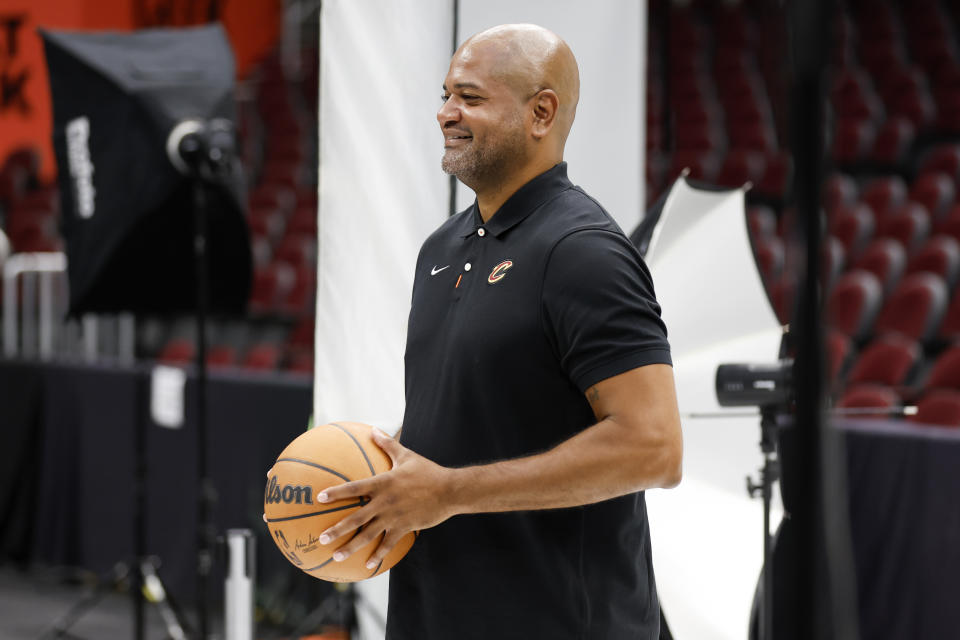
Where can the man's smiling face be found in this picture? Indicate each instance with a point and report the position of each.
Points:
(482, 120)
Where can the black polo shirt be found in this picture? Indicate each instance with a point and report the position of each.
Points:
(511, 321)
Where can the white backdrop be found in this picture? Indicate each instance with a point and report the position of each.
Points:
(381, 193)
(608, 37)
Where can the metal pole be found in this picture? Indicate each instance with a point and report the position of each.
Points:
(10, 309)
(452, 180)
(139, 504)
(90, 338)
(126, 337)
(46, 315)
(28, 313)
(238, 586)
(826, 595)
(206, 497)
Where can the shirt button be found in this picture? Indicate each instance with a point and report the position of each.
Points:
(481, 232)
(467, 267)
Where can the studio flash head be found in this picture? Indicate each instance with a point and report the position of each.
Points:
(755, 385)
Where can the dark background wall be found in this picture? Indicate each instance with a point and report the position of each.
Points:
(67, 472)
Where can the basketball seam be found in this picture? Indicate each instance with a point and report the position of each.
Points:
(318, 466)
(316, 513)
(321, 565)
(330, 559)
(373, 471)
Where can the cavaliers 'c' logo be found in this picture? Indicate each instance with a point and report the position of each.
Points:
(499, 271)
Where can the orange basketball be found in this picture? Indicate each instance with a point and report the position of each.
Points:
(324, 456)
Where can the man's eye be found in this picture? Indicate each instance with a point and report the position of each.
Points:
(444, 97)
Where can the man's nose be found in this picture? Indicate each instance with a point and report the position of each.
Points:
(448, 113)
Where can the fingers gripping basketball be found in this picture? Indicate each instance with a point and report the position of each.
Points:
(325, 456)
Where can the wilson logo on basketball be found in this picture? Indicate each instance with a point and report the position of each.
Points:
(275, 494)
(499, 271)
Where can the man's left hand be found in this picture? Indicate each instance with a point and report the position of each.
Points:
(412, 496)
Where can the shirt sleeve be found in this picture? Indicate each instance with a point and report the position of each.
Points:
(598, 308)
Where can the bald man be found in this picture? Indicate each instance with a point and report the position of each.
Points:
(539, 387)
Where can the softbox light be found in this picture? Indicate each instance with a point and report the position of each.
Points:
(127, 211)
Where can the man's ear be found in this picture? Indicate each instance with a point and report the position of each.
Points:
(545, 107)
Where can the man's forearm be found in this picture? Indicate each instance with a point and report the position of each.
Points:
(607, 460)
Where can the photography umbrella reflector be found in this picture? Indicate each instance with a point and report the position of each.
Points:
(128, 211)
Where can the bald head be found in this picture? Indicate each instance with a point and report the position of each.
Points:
(529, 59)
(509, 99)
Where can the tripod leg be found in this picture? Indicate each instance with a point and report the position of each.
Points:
(61, 626)
(157, 594)
(315, 617)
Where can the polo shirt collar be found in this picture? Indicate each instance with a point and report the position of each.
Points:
(524, 202)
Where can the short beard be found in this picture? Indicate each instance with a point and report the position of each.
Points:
(491, 163)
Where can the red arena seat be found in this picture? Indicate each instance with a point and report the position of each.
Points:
(939, 407)
(177, 351)
(834, 260)
(915, 104)
(950, 328)
(940, 255)
(888, 360)
(839, 190)
(741, 167)
(699, 137)
(854, 302)
(761, 221)
(909, 224)
(302, 294)
(854, 227)
(783, 297)
(943, 158)
(852, 139)
(945, 372)
(301, 362)
(853, 97)
(936, 191)
(949, 223)
(770, 257)
(702, 165)
(757, 135)
(302, 334)
(776, 179)
(297, 250)
(886, 259)
(948, 111)
(839, 352)
(303, 220)
(915, 308)
(262, 357)
(893, 140)
(869, 397)
(880, 54)
(261, 249)
(221, 356)
(885, 195)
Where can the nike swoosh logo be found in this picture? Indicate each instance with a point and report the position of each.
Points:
(435, 271)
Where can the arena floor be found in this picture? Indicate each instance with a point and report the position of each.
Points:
(32, 603)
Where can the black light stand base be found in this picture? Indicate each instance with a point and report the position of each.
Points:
(769, 474)
(106, 584)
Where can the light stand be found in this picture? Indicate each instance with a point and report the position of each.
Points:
(205, 152)
(149, 236)
(769, 474)
(769, 387)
